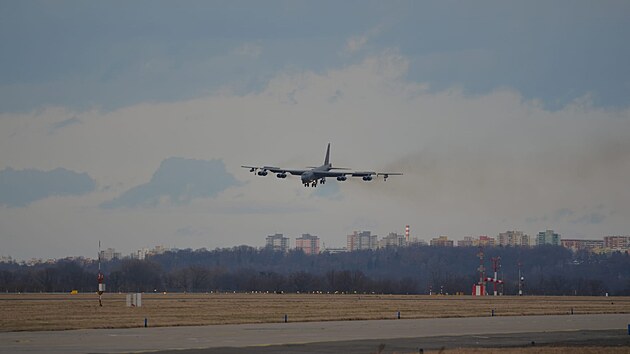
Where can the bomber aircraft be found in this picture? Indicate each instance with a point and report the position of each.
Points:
(312, 175)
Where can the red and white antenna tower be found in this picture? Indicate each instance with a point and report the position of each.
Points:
(407, 233)
(479, 289)
(496, 264)
(100, 278)
(520, 279)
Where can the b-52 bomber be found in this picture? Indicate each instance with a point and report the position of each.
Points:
(312, 175)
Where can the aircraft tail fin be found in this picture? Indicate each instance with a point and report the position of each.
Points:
(327, 160)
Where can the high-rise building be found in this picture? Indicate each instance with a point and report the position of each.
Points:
(579, 245)
(361, 241)
(514, 239)
(468, 241)
(109, 254)
(159, 249)
(441, 241)
(308, 243)
(278, 242)
(415, 241)
(617, 243)
(486, 241)
(393, 240)
(140, 254)
(548, 238)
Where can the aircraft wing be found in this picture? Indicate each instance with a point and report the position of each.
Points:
(251, 168)
(295, 172)
(366, 175)
(376, 174)
(330, 174)
(263, 170)
(387, 174)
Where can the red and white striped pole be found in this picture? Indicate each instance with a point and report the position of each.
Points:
(100, 278)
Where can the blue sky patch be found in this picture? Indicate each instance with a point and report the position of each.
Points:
(19, 188)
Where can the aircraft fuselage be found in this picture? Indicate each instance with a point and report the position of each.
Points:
(315, 175)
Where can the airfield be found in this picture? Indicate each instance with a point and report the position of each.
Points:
(236, 323)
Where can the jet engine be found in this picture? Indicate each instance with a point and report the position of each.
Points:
(262, 173)
(341, 178)
(281, 175)
(367, 178)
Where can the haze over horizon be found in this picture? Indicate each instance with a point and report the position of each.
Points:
(128, 122)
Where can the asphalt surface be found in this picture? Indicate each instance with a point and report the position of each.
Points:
(321, 337)
(609, 338)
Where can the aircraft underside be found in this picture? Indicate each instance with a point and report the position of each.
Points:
(313, 182)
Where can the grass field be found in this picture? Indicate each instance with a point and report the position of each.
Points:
(533, 350)
(34, 312)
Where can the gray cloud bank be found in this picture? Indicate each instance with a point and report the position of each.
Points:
(139, 51)
(19, 188)
(178, 181)
(472, 165)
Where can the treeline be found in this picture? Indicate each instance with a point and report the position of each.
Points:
(547, 270)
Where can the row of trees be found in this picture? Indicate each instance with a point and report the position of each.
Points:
(547, 270)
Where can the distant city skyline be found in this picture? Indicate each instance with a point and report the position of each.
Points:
(366, 240)
(128, 122)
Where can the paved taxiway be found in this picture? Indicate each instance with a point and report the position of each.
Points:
(578, 339)
(177, 338)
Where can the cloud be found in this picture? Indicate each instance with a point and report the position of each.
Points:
(178, 181)
(19, 188)
(353, 44)
(564, 215)
(338, 95)
(162, 52)
(193, 232)
(267, 208)
(250, 50)
(64, 123)
(356, 43)
(560, 214)
(592, 218)
(472, 164)
(330, 190)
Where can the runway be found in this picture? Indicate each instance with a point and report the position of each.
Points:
(520, 328)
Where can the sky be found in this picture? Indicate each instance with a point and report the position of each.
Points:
(127, 122)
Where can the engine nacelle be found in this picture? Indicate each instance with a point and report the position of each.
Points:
(342, 178)
(262, 173)
(367, 178)
(281, 175)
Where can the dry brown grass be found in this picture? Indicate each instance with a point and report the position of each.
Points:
(534, 350)
(29, 312)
